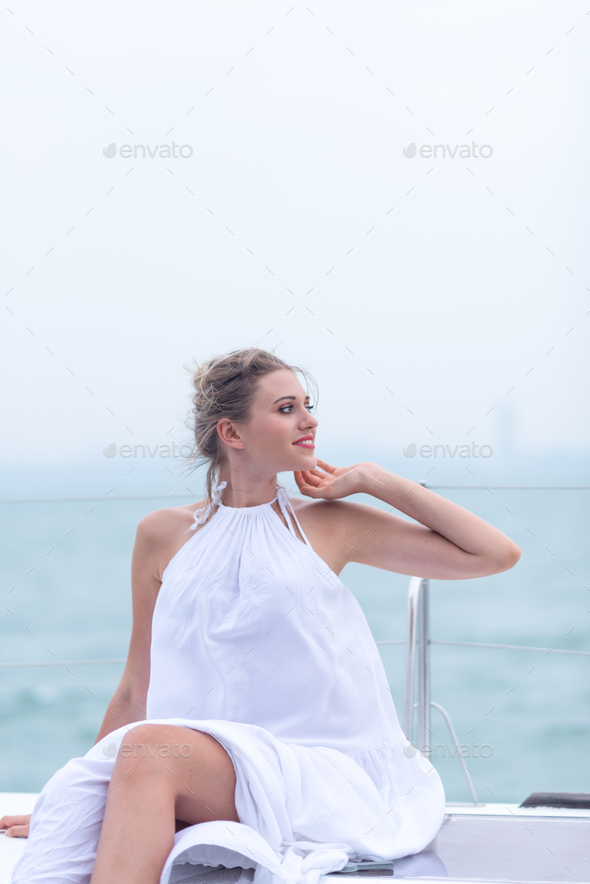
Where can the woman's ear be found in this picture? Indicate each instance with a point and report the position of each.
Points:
(229, 434)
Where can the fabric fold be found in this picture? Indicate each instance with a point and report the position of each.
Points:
(304, 811)
(257, 639)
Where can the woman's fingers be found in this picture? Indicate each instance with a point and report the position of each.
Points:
(320, 472)
(17, 832)
(328, 468)
(304, 482)
(312, 491)
(312, 485)
(314, 482)
(14, 820)
(16, 826)
(311, 478)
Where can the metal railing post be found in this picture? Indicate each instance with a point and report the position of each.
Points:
(424, 667)
(417, 628)
(412, 631)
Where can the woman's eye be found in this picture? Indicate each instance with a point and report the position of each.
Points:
(285, 409)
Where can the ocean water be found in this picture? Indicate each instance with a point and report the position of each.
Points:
(523, 718)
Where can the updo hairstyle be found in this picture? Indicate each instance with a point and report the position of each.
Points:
(224, 388)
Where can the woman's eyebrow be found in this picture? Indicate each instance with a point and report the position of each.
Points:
(294, 398)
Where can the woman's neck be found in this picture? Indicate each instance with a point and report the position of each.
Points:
(246, 490)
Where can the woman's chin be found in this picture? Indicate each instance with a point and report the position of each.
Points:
(303, 460)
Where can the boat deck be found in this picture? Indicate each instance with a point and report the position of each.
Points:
(487, 843)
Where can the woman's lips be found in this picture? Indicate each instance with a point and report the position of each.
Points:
(306, 442)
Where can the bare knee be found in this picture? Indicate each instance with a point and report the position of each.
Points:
(144, 750)
(143, 735)
(167, 745)
(191, 764)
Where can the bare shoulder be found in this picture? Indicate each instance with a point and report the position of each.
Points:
(333, 522)
(164, 531)
(332, 513)
(333, 526)
(169, 520)
(318, 510)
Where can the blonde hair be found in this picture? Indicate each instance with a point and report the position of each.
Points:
(225, 388)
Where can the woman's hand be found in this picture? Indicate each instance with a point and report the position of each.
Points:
(16, 826)
(331, 483)
(448, 543)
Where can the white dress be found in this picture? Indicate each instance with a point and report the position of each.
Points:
(258, 643)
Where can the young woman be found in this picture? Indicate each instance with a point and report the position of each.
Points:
(253, 726)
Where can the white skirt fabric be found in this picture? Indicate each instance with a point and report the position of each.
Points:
(304, 811)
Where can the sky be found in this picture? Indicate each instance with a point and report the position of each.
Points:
(436, 299)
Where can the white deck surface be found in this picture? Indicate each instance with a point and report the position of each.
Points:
(20, 802)
(11, 848)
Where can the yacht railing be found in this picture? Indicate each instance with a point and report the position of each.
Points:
(417, 639)
(400, 641)
(106, 497)
(418, 644)
(62, 663)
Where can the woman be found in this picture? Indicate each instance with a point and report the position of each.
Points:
(253, 725)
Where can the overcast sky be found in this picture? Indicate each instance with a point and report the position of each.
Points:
(428, 295)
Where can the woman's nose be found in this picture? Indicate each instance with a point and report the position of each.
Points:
(308, 421)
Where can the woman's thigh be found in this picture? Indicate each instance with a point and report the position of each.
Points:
(197, 767)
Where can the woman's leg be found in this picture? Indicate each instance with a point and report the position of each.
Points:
(161, 774)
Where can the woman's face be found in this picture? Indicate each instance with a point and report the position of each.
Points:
(281, 431)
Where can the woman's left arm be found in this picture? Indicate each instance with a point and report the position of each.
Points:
(448, 543)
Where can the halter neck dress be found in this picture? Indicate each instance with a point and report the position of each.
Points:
(257, 642)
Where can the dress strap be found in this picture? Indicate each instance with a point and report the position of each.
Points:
(203, 514)
(286, 507)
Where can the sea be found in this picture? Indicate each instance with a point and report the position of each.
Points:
(522, 717)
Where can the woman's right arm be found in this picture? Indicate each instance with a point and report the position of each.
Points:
(155, 534)
(129, 700)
